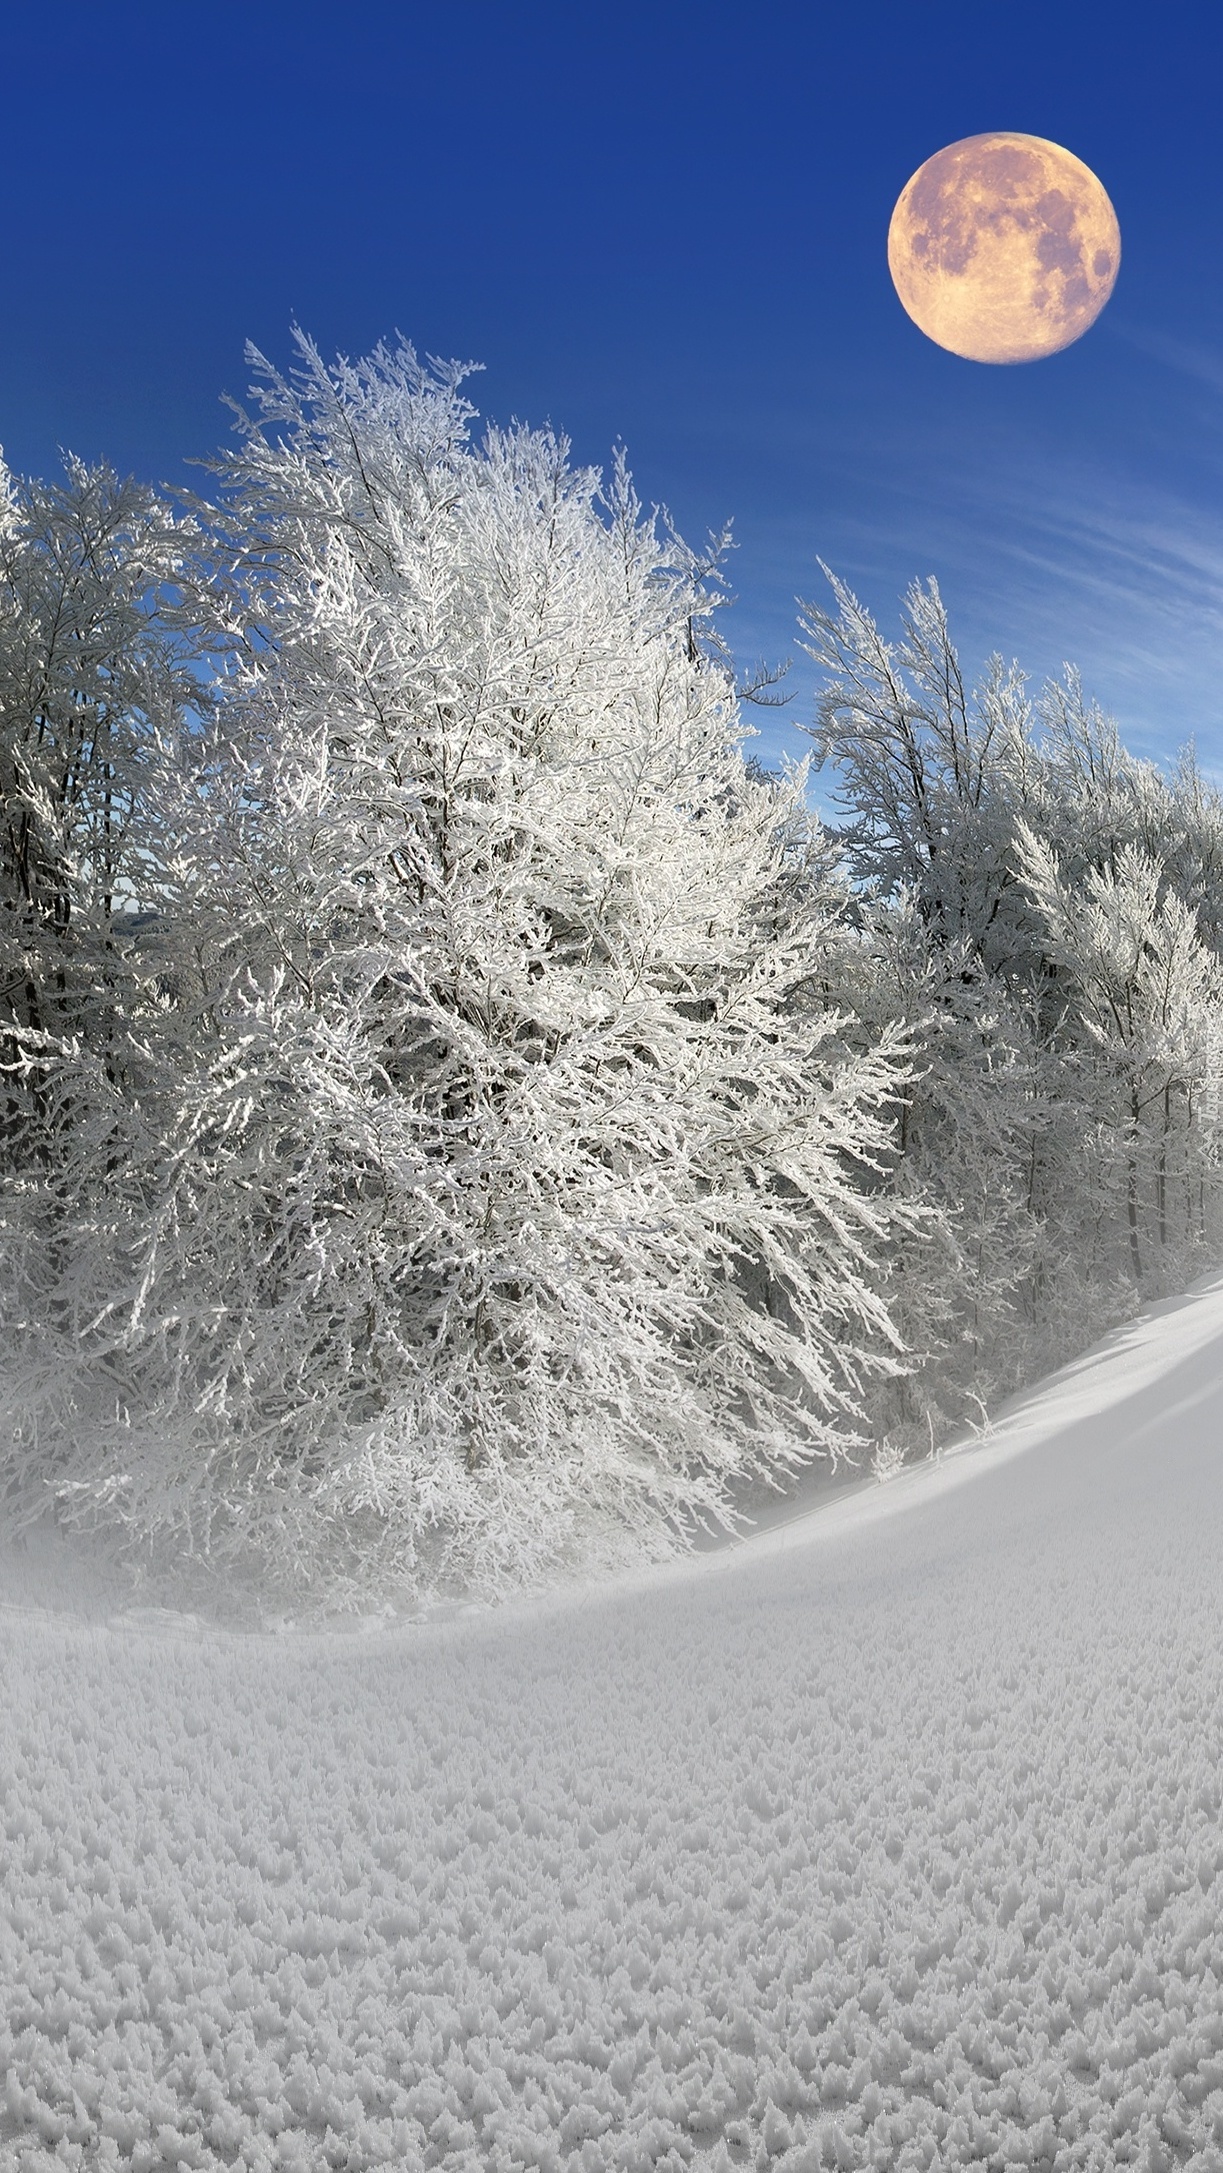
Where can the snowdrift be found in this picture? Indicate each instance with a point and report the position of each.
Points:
(888, 1838)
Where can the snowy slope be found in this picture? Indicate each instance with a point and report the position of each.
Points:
(889, 1838)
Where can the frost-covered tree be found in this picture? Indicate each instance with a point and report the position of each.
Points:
(973, 1110)
(97, 680)
(497, 1193)
(929, 769)
(1146, 993)
(92, 677)
(463, 1118)
(1041, 909)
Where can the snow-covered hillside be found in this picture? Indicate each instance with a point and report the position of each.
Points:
(889, 1838)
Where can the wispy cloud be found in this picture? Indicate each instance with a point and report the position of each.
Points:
(1059, 564)
(1057, 533)
(1203, 365)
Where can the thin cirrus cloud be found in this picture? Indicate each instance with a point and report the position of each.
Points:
(1128, 584)
(1184, 356)
(1058, 563)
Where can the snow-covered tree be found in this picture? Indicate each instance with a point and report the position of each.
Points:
(97, 680)
(928, 768)
(1041, 910)
(461, 1117)
(91, 677)
(496, 1194)
(1147, 995)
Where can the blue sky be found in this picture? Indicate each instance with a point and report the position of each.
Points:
(664, 223)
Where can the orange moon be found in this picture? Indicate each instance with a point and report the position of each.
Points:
(1004, 248)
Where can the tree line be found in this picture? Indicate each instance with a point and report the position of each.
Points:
(462, 1119)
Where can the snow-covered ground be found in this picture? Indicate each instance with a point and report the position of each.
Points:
(891, 1837)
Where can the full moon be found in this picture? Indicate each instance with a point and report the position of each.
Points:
(1004, 248)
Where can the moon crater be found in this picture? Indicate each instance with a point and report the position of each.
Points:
(1004, 248)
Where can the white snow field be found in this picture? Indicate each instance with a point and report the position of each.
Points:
(890, 1837)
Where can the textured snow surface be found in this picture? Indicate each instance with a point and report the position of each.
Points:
(891, 1838)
